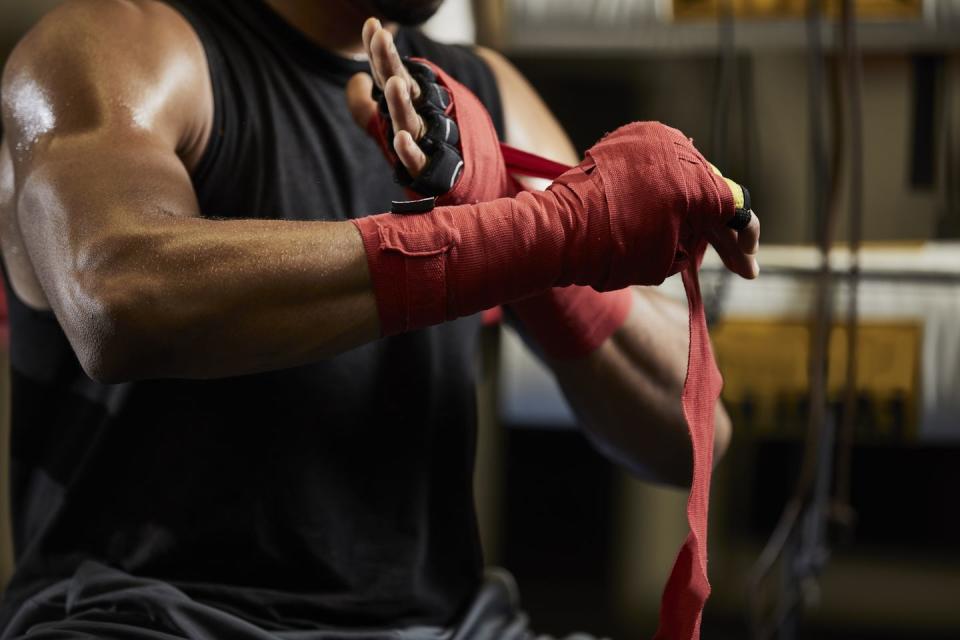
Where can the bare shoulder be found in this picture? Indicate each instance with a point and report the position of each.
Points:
(529, 122)
(514, 87)
(107, 64)
(497, 61)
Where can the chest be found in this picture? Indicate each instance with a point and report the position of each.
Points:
(286, 147)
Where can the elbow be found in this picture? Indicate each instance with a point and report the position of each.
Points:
(106, 330)
(722, 433)
(679, 472)
(673, 466)
(106, 364)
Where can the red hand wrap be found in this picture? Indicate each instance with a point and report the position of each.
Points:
(628, 214)
(633, 212)
(566, 322)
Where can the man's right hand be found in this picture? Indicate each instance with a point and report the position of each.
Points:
(633, 212)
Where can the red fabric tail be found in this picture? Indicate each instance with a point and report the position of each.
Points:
(687, 588)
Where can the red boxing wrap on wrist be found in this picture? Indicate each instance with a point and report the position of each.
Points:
(633, 212)
(630, 213)
(566, 322)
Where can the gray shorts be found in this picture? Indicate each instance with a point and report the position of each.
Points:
(104, 603)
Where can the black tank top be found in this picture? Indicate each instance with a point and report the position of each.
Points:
(334, 494)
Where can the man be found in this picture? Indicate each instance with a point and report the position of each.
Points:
(209, 439)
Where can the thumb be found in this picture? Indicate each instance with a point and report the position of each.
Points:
(362, 106)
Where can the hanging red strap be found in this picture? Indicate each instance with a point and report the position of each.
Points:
(687, 587)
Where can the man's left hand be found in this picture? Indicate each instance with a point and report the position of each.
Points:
(401, 91)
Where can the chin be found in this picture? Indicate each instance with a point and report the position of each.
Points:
(406, 12)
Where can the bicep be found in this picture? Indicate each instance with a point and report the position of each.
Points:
(82, 191)
(97, 117)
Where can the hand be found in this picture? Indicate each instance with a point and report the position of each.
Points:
(602, 224)
(400, 90)
(738, 247)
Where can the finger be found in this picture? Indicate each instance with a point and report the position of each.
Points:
(410, 153)
(385, 58)
(748, 238)
(370, 27)
(726, 242)
(361, 105)
(402, 113)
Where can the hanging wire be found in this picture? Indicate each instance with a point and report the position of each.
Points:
(949, 222)
(843, 513)
(798, 543)
(727, 80)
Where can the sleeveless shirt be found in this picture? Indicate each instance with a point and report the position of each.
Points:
(338, 493)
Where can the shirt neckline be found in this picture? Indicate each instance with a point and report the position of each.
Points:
(297, 43)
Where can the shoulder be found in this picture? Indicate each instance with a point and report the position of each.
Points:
(514, 87)
(501, 67)
(100, 63)
(90, 36)
(528, 121)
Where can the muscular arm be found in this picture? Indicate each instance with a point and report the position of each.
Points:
(627, 392)
(106, 104)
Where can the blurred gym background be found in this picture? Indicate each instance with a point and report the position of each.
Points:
(833, 514)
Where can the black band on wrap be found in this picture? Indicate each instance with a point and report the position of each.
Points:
(742, 216)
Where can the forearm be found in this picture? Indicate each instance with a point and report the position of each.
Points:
(627, 392)
(204, 298)
(165, 295)
(145, 287)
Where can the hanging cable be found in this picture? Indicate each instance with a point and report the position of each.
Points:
(843, 513)
(798, 543)
(728, 79)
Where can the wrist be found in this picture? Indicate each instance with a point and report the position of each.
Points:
(427, 268)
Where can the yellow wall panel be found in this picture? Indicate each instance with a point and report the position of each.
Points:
(871, 9)
(764, 365)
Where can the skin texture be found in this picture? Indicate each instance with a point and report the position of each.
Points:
(107, 107)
